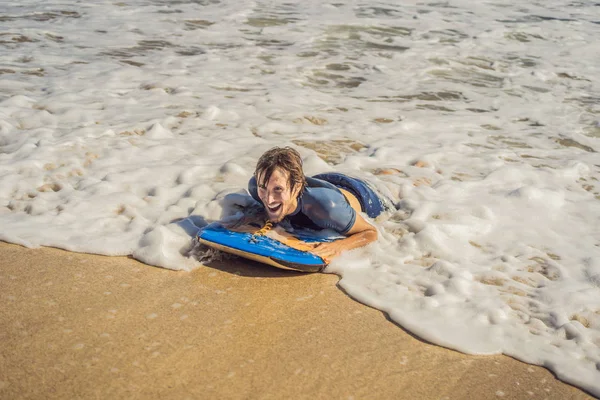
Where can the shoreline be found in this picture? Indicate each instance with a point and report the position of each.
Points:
(80, 325)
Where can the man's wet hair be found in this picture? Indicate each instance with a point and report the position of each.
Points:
(285, 158)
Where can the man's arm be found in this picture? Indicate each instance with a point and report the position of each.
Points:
(361, 234)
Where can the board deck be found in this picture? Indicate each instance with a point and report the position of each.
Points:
(281, 250)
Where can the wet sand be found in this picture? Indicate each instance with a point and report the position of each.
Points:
(85, 326)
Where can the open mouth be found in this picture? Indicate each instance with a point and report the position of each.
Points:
(274, 209)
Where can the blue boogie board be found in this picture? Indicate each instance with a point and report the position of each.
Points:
(265, 249)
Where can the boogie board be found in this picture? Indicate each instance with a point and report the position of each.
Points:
(278, 248)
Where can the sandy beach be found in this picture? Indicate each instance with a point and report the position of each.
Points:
(84, 326)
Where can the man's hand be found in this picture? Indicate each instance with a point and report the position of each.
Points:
(254, 214)
(327, 250)
(361, 234)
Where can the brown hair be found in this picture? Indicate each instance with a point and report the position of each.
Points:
(285, 158)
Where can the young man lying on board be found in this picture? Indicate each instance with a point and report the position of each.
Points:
(325, 201)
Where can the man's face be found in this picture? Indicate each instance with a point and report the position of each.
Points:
(276, 195)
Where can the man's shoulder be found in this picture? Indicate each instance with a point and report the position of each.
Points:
(324, 196)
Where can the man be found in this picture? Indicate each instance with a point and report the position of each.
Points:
(326, 201)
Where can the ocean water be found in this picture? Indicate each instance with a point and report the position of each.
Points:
(125, 124)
